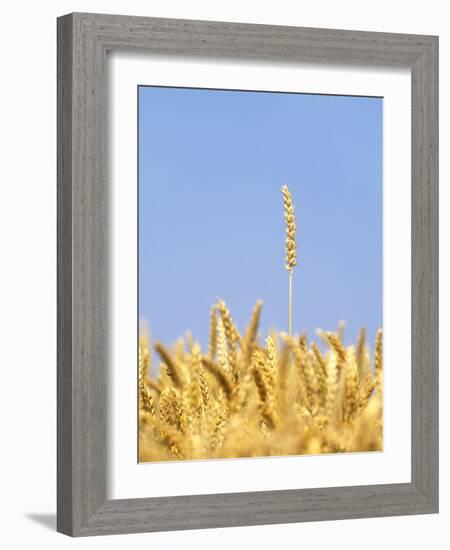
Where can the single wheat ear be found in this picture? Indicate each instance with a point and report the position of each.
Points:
(291, 243)
(291, 229)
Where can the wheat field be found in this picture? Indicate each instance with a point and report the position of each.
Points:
(242, 397)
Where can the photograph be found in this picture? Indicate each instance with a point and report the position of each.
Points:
(260, 273)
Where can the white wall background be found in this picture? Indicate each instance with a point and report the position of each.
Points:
(28, 269)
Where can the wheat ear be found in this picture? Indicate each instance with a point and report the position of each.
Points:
(221, 376)
(171, 366)
(213, 333)
(231, 334)
(291, 244)
(379, 361)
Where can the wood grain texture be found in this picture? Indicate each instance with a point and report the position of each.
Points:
(424, 275)
(64, 294)
(83, 317)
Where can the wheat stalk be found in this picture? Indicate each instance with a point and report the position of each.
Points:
(271, 353)
(171, 364)
(351, 383)
(213, 332)
(252, 331)
(291, 243)
(221, 376)
(231, 333)
(379, 361)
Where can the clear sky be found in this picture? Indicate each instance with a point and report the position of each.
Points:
(211, 165)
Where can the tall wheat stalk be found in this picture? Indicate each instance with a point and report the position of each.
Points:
(291, 243)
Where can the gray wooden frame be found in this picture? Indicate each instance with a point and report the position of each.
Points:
(83, 40)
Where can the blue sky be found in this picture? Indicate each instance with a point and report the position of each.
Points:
(211, 165)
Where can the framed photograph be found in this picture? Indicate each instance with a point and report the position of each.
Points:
(247, 274)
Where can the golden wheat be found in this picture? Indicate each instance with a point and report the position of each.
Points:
(242, 399)
(290, 398)
(291, 243)
(289, 217)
